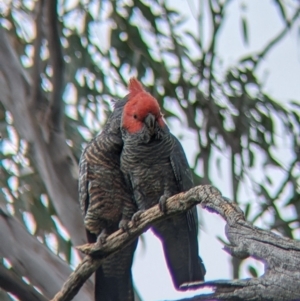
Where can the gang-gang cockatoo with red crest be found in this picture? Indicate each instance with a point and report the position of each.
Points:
(155, 168)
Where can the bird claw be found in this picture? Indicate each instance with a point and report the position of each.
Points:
(123, 224)
(136, 217)
(101, 239)
(162, 203)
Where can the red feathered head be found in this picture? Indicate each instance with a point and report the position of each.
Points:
(140, 104)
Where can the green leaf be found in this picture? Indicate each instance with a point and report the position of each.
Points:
(147, 13)
(247, 210)
(295, 102)
(252, 271)
(245, 31)
(269, 180)
(218, 163)
(251, 158)
(222, 241)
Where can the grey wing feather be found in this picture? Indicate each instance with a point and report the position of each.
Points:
(185, 182)
(184, 179)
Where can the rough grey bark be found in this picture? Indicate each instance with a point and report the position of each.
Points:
(281, 255)
(32, 259)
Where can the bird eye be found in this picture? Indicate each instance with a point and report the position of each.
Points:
(135, 116)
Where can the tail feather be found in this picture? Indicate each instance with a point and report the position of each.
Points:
(113, 280)
(180, 246)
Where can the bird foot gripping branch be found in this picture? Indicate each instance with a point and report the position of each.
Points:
(162, 202)
(137, 216)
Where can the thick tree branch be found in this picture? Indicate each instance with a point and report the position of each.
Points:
(280, 255)
(119, 239)
(32, 259)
